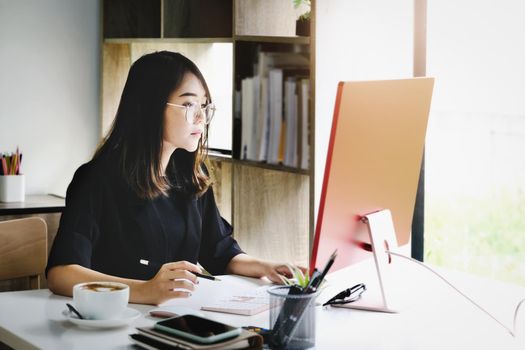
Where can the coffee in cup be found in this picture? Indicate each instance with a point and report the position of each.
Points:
(101, 300)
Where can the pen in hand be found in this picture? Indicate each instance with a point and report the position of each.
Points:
(157, 265)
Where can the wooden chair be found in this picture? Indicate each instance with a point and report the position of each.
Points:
(23, 249)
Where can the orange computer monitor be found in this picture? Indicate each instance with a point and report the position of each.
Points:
(373, 162)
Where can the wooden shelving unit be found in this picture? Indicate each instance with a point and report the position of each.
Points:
(268, 205)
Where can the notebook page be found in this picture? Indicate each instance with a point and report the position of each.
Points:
(246, 303)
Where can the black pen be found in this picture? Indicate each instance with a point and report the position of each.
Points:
(157, 266)
(313, 278)
(319, 279)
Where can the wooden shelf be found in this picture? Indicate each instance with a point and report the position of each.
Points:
(304, 40)
(167, 40)
(267, 166)
(214, 156)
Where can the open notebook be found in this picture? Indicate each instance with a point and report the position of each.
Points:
(246, 303)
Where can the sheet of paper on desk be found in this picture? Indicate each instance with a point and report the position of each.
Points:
(246, 303)
(208, 293)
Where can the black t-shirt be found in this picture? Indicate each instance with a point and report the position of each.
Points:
(108, 228)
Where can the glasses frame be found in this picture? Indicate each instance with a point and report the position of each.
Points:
(354, 293)
(201, 111)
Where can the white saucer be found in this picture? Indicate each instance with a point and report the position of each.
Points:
(127, 317)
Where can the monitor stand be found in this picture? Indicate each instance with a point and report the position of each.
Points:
(382, 236)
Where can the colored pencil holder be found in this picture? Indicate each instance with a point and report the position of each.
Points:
(12, 188)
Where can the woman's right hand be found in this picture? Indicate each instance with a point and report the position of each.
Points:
(174, 275)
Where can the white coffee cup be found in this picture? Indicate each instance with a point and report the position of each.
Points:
(101, 300)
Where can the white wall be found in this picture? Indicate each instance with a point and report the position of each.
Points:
(49, 87)
(356, 40)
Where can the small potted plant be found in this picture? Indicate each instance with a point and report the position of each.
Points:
(302, 25)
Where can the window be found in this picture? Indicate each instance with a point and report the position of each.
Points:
(475, 153)
(356, 40)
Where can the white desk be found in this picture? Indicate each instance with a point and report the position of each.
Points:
(432, 317)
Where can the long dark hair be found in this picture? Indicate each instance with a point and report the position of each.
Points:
(136, 135)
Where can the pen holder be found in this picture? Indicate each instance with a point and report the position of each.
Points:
(292, 319)
(12, 188)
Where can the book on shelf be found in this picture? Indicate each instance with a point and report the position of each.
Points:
(276, 114)
(275, 110)
(290, 116)
(282, 60)
(256, 86)
(263, 127)
(237, 125)
(246, 115)
(303, 117)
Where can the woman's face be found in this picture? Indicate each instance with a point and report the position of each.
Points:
(178, 133)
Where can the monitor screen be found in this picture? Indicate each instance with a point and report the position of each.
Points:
(373, 162)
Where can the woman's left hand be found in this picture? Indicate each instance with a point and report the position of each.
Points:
(246, 265)
(273, 270)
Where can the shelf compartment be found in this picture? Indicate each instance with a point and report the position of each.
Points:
(253, 64)
(247, 54)
(118, 58)
(131, 18)
(197, 18)
(265, 17)
(271, 213)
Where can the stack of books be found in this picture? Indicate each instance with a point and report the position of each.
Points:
(274, 110)
(151, 338)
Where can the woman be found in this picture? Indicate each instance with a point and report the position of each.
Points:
(146, 195)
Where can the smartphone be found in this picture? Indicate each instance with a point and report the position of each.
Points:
(197, 329)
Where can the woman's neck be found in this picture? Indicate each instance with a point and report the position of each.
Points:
(167, 151)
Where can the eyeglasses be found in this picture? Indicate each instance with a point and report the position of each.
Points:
(348, 295)
(194, 112)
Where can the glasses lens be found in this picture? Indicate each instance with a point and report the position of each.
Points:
(209, 111)
(194, 113)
